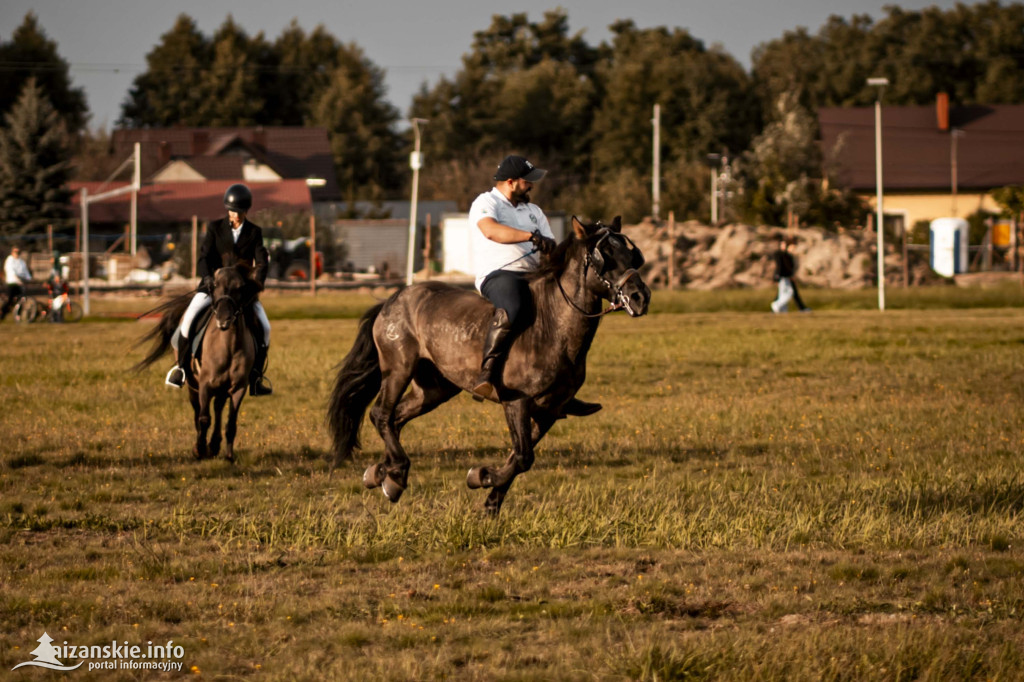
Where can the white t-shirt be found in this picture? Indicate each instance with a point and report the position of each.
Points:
(15, 271)
(488, 255)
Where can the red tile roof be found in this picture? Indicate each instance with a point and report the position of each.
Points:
(177, 202)
(295, 152)
(917, 155)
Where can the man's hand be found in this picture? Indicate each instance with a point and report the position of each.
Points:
(543, 244)
(206, 284)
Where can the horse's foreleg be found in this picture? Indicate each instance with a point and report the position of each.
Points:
(520, 461)
(237, 395)
(215, 437)
(201, 404)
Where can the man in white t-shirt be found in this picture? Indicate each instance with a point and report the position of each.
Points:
(16, 274)
(510, 236)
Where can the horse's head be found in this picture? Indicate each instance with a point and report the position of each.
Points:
(233, 290)
(611, 264)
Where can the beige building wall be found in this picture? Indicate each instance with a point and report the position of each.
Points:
(916, 207)
(178, 171)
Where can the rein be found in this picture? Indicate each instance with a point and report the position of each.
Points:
(616, 289)
(581, 311)
(238, 307)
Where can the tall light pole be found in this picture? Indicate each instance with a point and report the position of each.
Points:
(656, 171)
(415, 162)
(713, 161)
(879, 83)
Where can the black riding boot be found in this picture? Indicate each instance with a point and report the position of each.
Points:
(494, 355)
(580, 408)
(177, 376)
(258, 384)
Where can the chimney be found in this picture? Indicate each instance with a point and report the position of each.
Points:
(259, 138)
(200, 142)
(942, 110)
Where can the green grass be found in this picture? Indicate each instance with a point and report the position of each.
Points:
(827, 496)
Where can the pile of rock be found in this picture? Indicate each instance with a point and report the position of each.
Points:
(697, 256)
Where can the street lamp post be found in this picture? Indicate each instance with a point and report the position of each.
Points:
(415, 162)
(879, 83)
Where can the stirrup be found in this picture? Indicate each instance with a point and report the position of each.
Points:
(175, 378)
(260, 386)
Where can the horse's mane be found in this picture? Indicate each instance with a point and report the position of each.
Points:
(556, 261)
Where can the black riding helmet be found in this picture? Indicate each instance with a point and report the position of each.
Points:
(238, 198)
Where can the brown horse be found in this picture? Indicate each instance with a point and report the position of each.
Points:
(225, 359)
(424, 345)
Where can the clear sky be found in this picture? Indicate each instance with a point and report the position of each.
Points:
(106, 41)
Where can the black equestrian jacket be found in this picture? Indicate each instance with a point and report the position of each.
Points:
(219, 248)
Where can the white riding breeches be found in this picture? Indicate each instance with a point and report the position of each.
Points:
(201, 301)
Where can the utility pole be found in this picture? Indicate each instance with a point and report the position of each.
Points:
(879, 83)
(415, 162)
(656, 174)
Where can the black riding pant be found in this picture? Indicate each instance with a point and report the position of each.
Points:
(14, 292)
(507, 290)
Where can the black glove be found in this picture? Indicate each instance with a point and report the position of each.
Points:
(541, 243)
(206, 285)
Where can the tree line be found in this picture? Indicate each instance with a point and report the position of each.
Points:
(581, 110)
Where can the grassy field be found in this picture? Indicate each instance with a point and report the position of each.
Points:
(828, 496)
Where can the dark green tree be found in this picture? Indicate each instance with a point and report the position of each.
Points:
(305, 63)
(361, 126)
(525, 87)
(35, 153)
(30, 54)
(169, 92)
(975, 53)
(706, 106)
(231, 86)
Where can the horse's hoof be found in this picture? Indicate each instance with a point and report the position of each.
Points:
(479, 477)
(392, 490)
(197, 453)
(374, 475)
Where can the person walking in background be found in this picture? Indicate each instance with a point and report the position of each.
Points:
(16, 274)
(785, 269)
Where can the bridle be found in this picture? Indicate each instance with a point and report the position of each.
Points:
(237, 306)
(594, 258)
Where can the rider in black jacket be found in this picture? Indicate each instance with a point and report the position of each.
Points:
(231, 240)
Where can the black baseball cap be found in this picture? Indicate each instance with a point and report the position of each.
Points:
(515, 167)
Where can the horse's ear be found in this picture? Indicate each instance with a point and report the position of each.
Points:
(578, 229)
(616, 225)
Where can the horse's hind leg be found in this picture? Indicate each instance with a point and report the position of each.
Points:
(215, 437)
(393, 473)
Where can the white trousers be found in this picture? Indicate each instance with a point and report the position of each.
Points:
(781, 304)
(201, 301)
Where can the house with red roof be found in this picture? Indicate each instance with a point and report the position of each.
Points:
(937, 161)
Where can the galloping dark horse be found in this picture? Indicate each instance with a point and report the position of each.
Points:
(225, 359)
(428, 339)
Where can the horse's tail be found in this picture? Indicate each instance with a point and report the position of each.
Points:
(355, 387)
(161, 334)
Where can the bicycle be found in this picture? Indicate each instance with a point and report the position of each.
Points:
(26, 309)
(71, 311)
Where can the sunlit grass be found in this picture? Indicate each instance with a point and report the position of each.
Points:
(835, 495)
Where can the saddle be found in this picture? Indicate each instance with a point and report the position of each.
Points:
(198, 331)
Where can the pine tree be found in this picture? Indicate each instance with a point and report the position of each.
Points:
(30, 54)
(35, 153)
